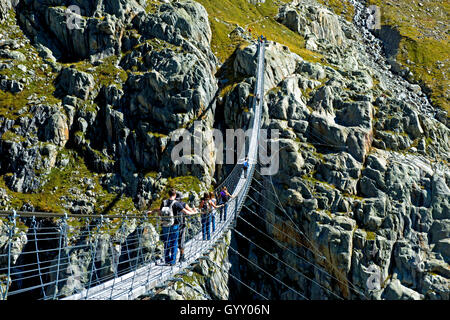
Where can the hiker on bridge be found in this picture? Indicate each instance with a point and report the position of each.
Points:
(182, 231)
(245, 166)
(212, 203)
(170, 212)
(224, 197)
(205, 209)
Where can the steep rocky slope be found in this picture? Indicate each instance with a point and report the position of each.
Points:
(362, 171)
(87, 115)
(88, 120)
(416, 35)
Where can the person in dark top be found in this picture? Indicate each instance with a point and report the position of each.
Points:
(170, 230)
(224, 197)
(182, 231)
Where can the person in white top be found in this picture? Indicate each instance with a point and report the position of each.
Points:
(212, 202)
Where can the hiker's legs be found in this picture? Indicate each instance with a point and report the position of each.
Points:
(181, 254)
(220, 212)
(165, 239)
(173, 244)
(208, 226)
(225, 212)
(169, 245)
(204, 218)
(181, 240)
(213, 220)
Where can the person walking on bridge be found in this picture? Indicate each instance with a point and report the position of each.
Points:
(245, 166)
(170, 212)
(182, 231)
(206, 217)
(224, 197)
(214, 206)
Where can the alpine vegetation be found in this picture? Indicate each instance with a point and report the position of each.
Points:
(223, 150)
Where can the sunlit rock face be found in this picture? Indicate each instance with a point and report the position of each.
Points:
(362, 176)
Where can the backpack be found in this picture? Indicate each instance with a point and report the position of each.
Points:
(245, 164)
(167, 216)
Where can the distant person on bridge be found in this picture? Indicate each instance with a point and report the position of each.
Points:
(245, 166)
(182, 231)
(205, 209)
(170, 213)
(224, 197)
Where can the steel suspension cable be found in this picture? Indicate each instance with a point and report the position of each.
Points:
(294, 269)
(266, 272)
(294, 225)
(240, 281)
(293, 253)
(352, 285)
(295, 240)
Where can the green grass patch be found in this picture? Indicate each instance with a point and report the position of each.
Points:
(425, 42)
(151, 6)
(151, 174)
(226, 15)
(341, 7)
(315, 181)
(11, 136)
(157, 135)
(60, 181)
(105, 74)
(370, 235)
(41, 83)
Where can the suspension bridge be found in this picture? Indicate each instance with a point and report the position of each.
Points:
(138, 273)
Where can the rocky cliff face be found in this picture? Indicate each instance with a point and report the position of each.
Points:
(88, 113)
(121, 125)
(362, 174)
(88, 120)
